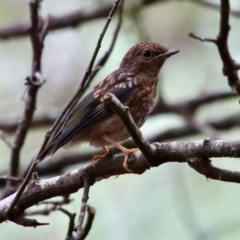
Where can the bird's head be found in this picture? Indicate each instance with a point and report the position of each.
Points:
(146, 57)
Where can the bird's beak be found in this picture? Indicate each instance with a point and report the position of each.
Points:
(166, 54)
(170, 52)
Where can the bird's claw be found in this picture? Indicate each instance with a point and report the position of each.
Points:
(128, 153)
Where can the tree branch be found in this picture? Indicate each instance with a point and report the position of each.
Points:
(205, 167)
(33, 84)
(191, 105)
(124, 114)
(40, 190)
(230, 67)
(72, 19)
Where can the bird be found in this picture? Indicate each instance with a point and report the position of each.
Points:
(134, 83)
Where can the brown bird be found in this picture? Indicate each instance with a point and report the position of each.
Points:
(134, 84)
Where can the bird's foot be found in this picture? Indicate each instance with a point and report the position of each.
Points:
(99, 157)
(128, 153)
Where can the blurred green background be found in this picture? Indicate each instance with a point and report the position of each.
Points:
(168, 202)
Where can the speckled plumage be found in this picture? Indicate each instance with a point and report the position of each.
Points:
(134, 84)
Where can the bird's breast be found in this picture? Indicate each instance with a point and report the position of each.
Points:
(142, 103)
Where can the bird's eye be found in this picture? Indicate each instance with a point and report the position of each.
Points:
(146, 53)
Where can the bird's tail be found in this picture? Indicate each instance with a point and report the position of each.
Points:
(48, 151)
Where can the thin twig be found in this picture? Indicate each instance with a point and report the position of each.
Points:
(104, 59)
(205, 167)
(5, 140)
(202, 39)
(10, 125)
(90, 217)
(86, 187)
(49, 206)
(26, 222)
(6, 177)
(71, 223)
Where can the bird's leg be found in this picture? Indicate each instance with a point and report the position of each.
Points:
(127, 152)
(98, 157)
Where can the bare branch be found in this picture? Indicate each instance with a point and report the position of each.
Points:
(90, 217)
(230, 67)
(49, 206)
(33, 84)
(72, 19)
(202, 39)
(6, 177)
(205, 167)
(86, 187)
(4, 139)
(129, 123)
(71, 223)
(10, 124)
(26, 222)
(104, 59)
(190, 105)
(40, 190)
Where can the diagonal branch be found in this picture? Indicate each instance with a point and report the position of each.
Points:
(104, 59)
(123, 112)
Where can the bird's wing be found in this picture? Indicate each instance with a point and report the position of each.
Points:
(92, 110)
